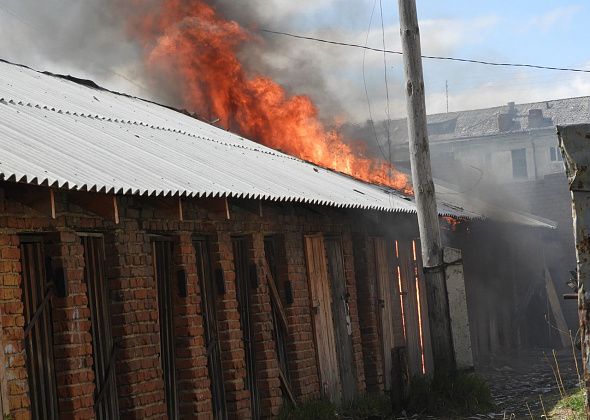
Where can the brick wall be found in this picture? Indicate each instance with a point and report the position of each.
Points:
(134, 309)
(72, 339)
(230, 334)
(12, 322)
(134, 305)
(191, 356)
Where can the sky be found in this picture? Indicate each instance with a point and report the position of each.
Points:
(82, 38)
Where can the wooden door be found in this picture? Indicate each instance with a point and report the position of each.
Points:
(385, 296)
(411, 304)
(244, 294)
(425, 320)
(37, 293)
(341, 317)
(163, 269)
(209, 294)
(323, 324)
(106, 405)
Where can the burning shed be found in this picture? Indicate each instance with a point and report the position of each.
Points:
(153, 265)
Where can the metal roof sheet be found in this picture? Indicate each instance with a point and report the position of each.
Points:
(57, 132)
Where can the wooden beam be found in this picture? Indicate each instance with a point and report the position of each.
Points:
(285, 385)
(180, 210)
(275, 297)
(556, 309)
(104, 205)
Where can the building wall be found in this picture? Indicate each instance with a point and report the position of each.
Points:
(493, 155)
(134, 301)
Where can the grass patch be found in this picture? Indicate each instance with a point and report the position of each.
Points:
(571, 407)
(366, 407)
(462, 394)
(369, 406)
(458, 395)
(317, 409)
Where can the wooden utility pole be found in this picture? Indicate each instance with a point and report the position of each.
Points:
(574, 142)
(432, 251)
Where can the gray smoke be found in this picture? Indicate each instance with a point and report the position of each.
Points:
(82, 38)
(88, 39)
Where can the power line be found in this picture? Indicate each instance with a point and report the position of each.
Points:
(387, 106)
(429, 57)
(372, 122)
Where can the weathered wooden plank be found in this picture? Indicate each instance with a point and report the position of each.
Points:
(555, 304)
(287, 387)
(341, 317)
(408, 277)
(274, 295)
(425, 312)
(322, 317)
(385, 296)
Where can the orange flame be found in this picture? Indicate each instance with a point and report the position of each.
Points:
(186, 41)
(452, 223)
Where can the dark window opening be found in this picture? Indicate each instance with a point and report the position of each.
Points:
(163, 272)
(37, 294)
(519, 165)
(209, 298)
(106, 404)
(244, 294)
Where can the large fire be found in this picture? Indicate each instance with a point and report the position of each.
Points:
(188, 42)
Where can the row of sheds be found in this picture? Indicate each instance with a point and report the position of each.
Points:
(69, 133)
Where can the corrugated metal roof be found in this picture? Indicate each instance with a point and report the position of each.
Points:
(448, 194)
(63, 133)
(484, 122)
(60, 133)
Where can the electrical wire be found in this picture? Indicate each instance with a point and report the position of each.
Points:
(387, 105)
(371, 121)
(430, 57)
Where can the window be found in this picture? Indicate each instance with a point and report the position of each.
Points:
(37, 294)
(106, 404)
(555, 155)
(519, 166)
(163, 266)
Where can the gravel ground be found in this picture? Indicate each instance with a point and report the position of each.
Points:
(526, 378)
